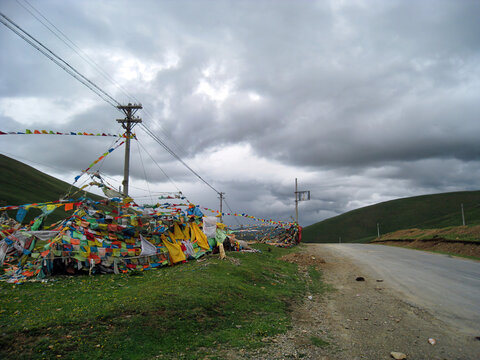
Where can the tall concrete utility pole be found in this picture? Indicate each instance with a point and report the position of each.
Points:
(128, 123)
(221, 206)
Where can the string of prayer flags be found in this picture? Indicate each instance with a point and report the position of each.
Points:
(51, 132)
(268, 221)
(96, 161)
(69, 204)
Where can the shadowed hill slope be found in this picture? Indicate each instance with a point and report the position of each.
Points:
(21, 184)
(426, 211)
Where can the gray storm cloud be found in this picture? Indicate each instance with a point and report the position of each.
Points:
(363, 101)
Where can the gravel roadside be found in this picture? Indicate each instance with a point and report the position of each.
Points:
(360, 319)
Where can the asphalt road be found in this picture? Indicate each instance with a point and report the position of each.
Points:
(447, 287)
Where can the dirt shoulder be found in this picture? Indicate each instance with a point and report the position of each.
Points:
(360, 320)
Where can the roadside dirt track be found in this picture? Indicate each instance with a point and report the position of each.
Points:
(360, 320)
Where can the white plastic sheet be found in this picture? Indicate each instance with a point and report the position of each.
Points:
(210, 226)
(147, 247)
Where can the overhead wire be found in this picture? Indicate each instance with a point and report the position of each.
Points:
(163, 172)
(171, 152)
(85, 57)
(164, 131)
(9, 23)
(231, 211)
(68, 42)
(103, 175)
(74, 47)
(144, 172)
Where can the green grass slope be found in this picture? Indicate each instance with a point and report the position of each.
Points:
(424, 212)
(207, 309)
(21, 184)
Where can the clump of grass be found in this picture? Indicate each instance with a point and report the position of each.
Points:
(317, 286)
(316, 341)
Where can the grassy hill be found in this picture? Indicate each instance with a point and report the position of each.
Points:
(168, 313)
(423, 212)
(21, 184)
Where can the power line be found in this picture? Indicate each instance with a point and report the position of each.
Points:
(231, 211)
(164, 131)
(68, 42)
(164, 173)
(144, 172)
(57, 59)
(88, 83)
(171, 152)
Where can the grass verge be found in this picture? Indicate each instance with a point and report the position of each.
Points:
(184, 312)
(452, 254)
(316, 285)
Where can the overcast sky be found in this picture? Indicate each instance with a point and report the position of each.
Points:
(362, 101)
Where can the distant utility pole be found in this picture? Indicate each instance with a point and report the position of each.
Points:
(296, 201)
(463, 216)
(300, 196)
(378, 230)
(221, 205)
(128, 123)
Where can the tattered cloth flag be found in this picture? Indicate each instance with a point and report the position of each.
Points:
(21, 214)
(147, 247)
(96, 161)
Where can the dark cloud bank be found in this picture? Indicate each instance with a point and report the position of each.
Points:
(363, 101)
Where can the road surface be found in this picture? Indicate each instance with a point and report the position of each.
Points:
(447, 287)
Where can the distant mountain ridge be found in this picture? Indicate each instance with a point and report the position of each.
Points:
(424, 212)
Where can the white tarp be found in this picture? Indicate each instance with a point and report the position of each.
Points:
(110, 193)
(147, 247)
(210, 226)
(43, 235)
